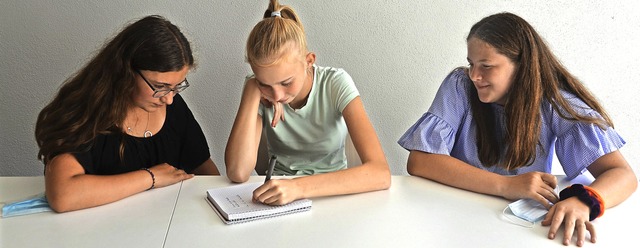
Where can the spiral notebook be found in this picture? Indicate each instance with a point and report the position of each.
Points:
(234, 205)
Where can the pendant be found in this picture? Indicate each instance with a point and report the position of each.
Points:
(148, 134)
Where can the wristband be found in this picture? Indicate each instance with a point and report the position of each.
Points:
(588, 196)
(153, 178)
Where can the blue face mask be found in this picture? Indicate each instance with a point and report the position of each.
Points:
(36, 204)
(528, 210)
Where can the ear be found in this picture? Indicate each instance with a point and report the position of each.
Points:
(310, 59)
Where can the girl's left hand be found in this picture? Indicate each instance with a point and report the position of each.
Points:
(278, 111)
(575, 216)
(277, 192)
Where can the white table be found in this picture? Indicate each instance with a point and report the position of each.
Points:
(138, 221)
(414, 212)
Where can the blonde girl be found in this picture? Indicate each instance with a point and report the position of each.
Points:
(305, 111)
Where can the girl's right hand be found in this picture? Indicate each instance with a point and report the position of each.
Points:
(166, 175)
(534, 185)
(277, 192)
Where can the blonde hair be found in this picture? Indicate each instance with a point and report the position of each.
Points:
(274, 35)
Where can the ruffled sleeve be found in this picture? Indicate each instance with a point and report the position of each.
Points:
(429, 134)
(436, 130)
(581, 145)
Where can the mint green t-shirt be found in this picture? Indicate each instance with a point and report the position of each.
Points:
(311, 139)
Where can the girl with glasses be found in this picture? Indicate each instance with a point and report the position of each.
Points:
(118, 127)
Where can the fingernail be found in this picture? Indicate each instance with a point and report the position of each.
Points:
(552, 236)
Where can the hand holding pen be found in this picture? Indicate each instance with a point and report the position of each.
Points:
(276, 192)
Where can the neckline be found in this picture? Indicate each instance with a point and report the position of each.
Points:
(147, 133)
(168, 114)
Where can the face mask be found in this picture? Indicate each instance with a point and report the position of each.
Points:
(36, 204)
(526, 209)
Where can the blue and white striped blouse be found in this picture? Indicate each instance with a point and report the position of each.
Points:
(448, 128)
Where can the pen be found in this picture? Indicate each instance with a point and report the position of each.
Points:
(272, 163)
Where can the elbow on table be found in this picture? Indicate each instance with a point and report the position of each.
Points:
(387, 180)
(421, 170)
(412, 169)
(386, 184)
(59, 203)
(235, 172)
(385, 176)
(237, 177)
(419, 165)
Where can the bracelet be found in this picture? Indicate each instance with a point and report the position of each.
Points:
(588, 196)
(153, 178)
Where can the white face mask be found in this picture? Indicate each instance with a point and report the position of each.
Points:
(528, 210)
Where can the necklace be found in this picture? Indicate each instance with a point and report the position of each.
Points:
(146, 133)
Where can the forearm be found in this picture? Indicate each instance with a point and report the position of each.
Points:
(85, 191)
(454, 172)
(242, 147)
(615, 185)
(615, 180)
(367, 177)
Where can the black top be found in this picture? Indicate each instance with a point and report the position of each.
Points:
(180, 143)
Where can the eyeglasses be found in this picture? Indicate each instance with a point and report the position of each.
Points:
(164, 90)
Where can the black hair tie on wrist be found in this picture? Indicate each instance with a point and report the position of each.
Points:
(586, 195)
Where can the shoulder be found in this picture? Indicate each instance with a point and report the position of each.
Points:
(578, 104)
(557, 118)
(457, 79)
(334, 80)
(178, 100)
(456, 85)
(334, 86)
(332, 74)
(575, 103)
(330, 71)
(178, 105)
(178, 112)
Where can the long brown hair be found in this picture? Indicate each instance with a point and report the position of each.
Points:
(95, 100)
(538, 77)
(268, 38)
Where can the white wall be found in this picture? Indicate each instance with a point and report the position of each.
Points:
(398, 52)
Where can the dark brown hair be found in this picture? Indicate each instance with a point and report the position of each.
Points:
(95, 100)
(538, 77)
